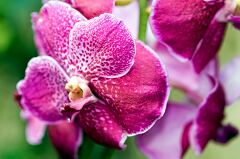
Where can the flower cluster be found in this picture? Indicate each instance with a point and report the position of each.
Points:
(93, 75)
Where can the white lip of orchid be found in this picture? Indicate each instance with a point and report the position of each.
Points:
(77, 88)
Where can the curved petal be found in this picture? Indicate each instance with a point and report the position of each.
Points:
(52, 27)
(101, 125)
(229, 77)
(139, 98)
(93, 8)
(208, 118)
(66, 138)
(43, 89)
(163, 141)
(210, 45)
(101, 47)
(35, 129)
(181, 25)
(194, 84)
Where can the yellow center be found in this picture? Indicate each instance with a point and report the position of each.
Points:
(74, 89)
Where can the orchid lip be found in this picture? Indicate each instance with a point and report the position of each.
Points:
(79, 96)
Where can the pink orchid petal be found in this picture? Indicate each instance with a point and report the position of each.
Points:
(93, 8)
(130, 15)
(139, 98)
(235, 20)
(230, 78)
(90, 8)
(52, 27)
(101, 47)
(181, 25)
(210, 45)
(43, 89)
(66, 138)
(208, 118)
(194, 84)
(185, 143)
(101, 125)
(163, 141)
(35, 128)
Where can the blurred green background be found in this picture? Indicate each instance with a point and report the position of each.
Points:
(17, 47)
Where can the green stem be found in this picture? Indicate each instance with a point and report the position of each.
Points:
(143, 19)
(108, 153)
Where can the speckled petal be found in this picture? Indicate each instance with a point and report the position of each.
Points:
(101, 47)
(208, 118)
(139, 98)
(101, 125)
(230, 78)
(210, 45)
(181, 25)
(42, 89)
(35, 128)
(66, 138)
(52, 27)
(90, 8)
(93, 8)
(163, 141)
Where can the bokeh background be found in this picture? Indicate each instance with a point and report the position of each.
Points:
(17, 47)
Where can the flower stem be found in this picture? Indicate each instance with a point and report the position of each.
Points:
(143, 19)
(108, 153)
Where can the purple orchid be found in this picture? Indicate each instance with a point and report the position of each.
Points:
(93, 72)
(91, 8)
(193, 29)
(198, 120)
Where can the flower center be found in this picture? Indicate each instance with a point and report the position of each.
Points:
(76, 87)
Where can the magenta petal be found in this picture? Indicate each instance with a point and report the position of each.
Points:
(101, 47)
(52, 27)
(139, 98)
(208, 118)
(93, 8)
(101, 125)
(66, 138)
(230, 78)
(43, 89)
(35, 128)
(181, 25)
(163, 141)
(194, 84)
(236, 21)
(210, 45)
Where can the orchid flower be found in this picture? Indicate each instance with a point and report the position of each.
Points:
(193, 123)
(93, 73)
(193, 30)
(91, 8)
